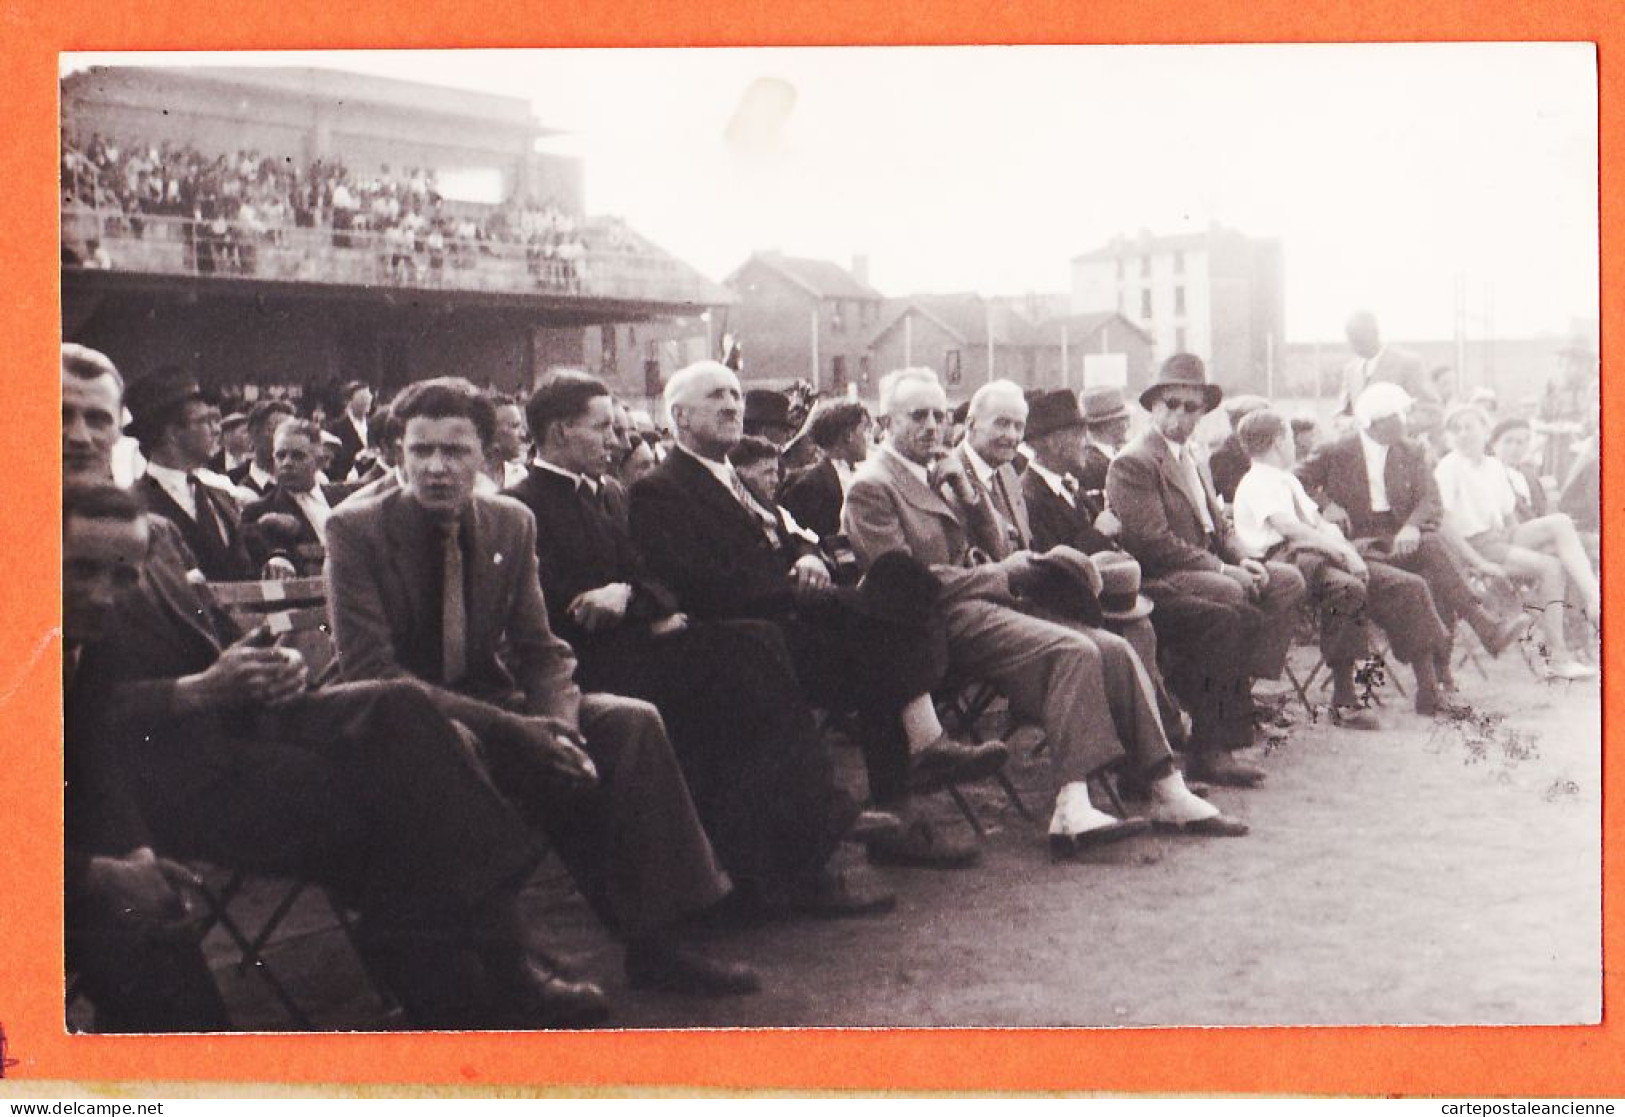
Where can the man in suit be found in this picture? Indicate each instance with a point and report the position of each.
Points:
(1378, 487)
(1105, 421)
(1205, 668)
(815, 495)
(1088, 691)
(759, 773)
(258, 473)
(236, 444)
(435, 583)
(350, 428)
(286, 529)
(1373, 363)
(226, 757)
(1276, 518)
(1173, 524)
(726, 557)
(174, 425)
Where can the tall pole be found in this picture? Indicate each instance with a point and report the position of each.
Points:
(815, 346)
(908, 338)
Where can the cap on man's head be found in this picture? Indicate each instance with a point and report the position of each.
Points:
(1379, 401)
(233, 421)
(157, 398)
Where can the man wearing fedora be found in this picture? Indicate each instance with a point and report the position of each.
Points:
(1086, 688)
(1205, 636)
(176, 427)
(762, 780)
(1105, 424)
(1173, 524)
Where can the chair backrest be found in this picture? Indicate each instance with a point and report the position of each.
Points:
(293, 610)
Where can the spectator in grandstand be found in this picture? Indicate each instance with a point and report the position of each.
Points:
(295, 502)
(505, 457)
(236, 444)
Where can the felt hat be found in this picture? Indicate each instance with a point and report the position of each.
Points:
(1103, 405)
(1182, 370)
(157, 398)
(1120, 597)
(1052, 411)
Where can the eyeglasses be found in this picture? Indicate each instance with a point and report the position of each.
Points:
(1190, 406)
(925, 413)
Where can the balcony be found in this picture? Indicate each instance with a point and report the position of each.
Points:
(154, 245)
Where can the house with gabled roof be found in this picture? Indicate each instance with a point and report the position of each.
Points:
(801, 318)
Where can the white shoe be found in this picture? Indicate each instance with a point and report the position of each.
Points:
(1173, 803)
(1078, 824)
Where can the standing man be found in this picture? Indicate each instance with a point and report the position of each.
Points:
(1090, 694)
(350, 428)
(175, 426)
(758, 770)
(1373, 362)
(1105, 421)
(1173, 524)
(815, 495)
(430, 581)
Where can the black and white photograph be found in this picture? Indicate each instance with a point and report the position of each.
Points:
(842, 537)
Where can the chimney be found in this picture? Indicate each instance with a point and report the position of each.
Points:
(860, 268)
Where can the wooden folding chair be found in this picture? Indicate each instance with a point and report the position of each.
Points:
(294, 611)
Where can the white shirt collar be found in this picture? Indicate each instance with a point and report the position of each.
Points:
(915, 468)
(723, 471)
(1374, 450)
(1056, 483)
(259, 476)
(984, 472)
(176, 483)
(1177, 449)
(575, 479)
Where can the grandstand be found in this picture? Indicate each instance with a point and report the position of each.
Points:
(288, 229)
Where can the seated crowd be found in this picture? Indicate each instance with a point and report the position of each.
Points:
(556, 627)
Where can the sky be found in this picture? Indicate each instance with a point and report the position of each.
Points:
(1393, 174)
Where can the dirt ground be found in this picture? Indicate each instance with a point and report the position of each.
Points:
(1426, 874)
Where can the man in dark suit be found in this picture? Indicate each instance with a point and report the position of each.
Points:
(815, 495)
(287, 527)
(1205, 669)
(1105, 421)
(759, 773)
(258, 473)
(1173, 524)
(236, 445)
(435, 583)
(173, 423)
(726, 557)
(350, 428)
(1378, 487)
(226, 757)
(1090, 694)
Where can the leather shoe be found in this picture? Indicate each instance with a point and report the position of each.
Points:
(1219, 826)
(830, 895)
(870, 825)
(1502, 636)
(1354, 717)
(533, 996)
(1219, 767)
(676, 969)
(947, 761)
(1065, 847)
(919, 844)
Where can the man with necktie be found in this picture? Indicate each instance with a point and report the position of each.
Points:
(1173, 524)
(435, 582)
(176, 427)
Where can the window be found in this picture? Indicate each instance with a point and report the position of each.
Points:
(1179, 263)
(863, 370)
(1145, 303)
(837, 373)
(1179, 300)
(607, 352)
(837, 324)
(950, 365)
(1145, 264)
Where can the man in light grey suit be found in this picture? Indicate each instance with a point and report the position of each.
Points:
(1373, 361)
(430, 581)
(1092, 697)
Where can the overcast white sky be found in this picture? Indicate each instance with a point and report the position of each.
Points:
(1385, 170)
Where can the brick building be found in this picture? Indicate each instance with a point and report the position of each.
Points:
(798, 318)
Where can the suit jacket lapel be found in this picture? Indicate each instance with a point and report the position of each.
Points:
(489, 564)
(1018, 503)
(1173, 472)
(703, 484)
(916, 493)
(404, 528)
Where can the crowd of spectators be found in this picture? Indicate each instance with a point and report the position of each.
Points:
(233, 204)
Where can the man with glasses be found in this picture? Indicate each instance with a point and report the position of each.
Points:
(1173, 524)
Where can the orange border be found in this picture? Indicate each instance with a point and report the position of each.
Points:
(1526, 1061)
